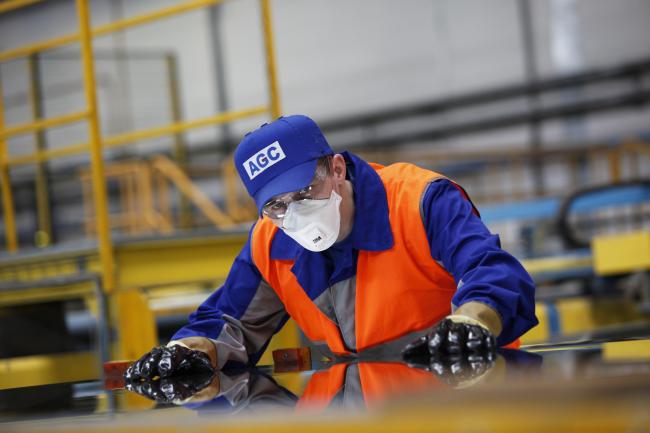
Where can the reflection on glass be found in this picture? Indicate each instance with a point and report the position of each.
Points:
(348, 385)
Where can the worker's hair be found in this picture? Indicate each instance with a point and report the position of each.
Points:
(325, 162)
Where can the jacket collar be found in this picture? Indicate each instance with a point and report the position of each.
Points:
(371, 230)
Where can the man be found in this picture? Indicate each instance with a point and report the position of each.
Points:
(359, 255)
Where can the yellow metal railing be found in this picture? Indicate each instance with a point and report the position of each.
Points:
(96, 143)
(173, 172)
(10, 5)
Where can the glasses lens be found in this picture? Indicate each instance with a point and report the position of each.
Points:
(275, 209)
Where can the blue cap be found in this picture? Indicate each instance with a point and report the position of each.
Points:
(280, 157)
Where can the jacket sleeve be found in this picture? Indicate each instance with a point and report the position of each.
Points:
(483, 272)
(241, 316)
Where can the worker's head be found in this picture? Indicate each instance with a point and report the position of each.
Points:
(295, 179)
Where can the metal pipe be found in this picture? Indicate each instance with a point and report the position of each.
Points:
(471, 100)
(5, 185)
(10, 5)
(507, 120)
(530, 65)
(274, 93)
(96, 162)
(44, 234)
(43, 124)
(107, 28)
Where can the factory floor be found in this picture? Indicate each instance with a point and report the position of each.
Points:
(582, 386)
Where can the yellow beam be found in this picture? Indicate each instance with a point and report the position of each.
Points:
(48, 369)
(173, 128)
(130, 137)
(44, 234)
(140, 264)
(48, 154)
(134, 322)
(177, 261)
(45, 294)
(180, 145)
(274, 93)
(43, 124)
(96, 161)
(27, 50)
(10, 5)
(5, 187)
(106, 28)
(153, 16)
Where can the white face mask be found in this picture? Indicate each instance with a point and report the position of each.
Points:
(314, 224)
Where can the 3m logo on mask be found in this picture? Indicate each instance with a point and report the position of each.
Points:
(263, 159)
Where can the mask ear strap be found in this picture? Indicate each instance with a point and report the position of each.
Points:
(349, 172)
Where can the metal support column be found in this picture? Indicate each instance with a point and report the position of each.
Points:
(180, 146)
(96, 161)
(274, 93)
(7, 196)
(43, 206)
(530, 56)
(214, 26)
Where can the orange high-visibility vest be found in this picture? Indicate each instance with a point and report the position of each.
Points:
(398, 291)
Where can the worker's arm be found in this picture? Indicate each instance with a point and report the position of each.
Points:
(234, 324)
(493, 287)
(238, 319)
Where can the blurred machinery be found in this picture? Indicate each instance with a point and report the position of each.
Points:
(156, 242)
(110, 277)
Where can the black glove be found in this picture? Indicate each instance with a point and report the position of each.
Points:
(455, 335)
(168, 361)
(457, 350)
(171, 389)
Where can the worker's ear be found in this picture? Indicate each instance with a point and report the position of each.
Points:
(338, 167)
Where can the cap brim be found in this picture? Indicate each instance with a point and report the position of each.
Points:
(293, 179)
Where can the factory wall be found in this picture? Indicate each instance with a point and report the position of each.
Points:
(335, 58)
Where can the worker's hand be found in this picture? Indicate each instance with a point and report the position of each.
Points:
(453, 337)
(177, 389)
(166, 361)
(459, 350)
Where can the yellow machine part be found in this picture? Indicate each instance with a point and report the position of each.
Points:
(580, 316)
(621, 253)
(638, 350)
(45, 369)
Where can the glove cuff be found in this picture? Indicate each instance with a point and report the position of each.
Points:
(177, 343)
(459, 318)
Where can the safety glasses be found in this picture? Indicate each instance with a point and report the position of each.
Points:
(277, 206)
